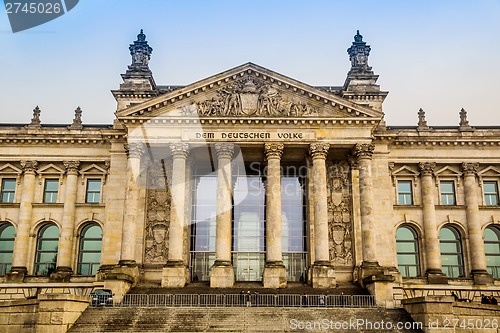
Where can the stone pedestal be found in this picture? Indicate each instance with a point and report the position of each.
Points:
(274, 276)
(323, 276)
(174, 276)
(436, 277)
(62, 274)
(380, 286)
(222, 276)
(17, 274)
(481, 277)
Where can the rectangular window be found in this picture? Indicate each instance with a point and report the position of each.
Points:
(447, 189)
(490, 193)
(50, 191)
(405, 196)
(8, 190)
(93, 191)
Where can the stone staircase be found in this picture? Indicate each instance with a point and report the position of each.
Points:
(239, 320)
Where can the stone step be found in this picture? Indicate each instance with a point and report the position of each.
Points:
(227, 320)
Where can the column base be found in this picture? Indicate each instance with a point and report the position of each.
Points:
(323, 276)
(174, 275)
(61, 274)
(274, 275)
(127, 263)
(436, 276)
(221, 275)
(17, 274)
(481, 277)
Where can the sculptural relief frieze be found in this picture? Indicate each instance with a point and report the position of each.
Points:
(339, 213)
(250, 97)
(158, 214)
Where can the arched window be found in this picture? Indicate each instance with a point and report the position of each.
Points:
(7, 233)
(46, 250)
(492, 250)
(89, 257)
(451, 252)
(407, 251)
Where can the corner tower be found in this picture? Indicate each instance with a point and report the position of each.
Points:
(361, 83)
(138, 83)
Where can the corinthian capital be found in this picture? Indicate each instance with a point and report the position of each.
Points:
(134, 149)
(363, 150)
(470, 168)
(71, 166)
(319, 150)
(274, 150)
(179, 149)
(426, 168)
(29, 166)
(224, 149)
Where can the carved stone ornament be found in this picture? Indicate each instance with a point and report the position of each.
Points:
(35, 121)
(319, 150)
(274, 150)
(339, 213)
(134, 149)
(427, 168)
(158, 214)
(71, 166)
(179, 149)
(140, 51)
(364, 150)
(251, 97)
(29, 166)
(470, 168)
(224, 150)
(77, 121)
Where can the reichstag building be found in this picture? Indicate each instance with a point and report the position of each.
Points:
(250, 175)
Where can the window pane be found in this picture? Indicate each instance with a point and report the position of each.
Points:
(8, 184)
(94, 185)
(51, 185)
(407, 252)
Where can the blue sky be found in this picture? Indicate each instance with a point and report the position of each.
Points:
(439, 55)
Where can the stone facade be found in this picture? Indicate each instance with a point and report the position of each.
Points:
(145, 167)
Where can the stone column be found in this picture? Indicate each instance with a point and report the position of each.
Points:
(64, 253)
(134, 153)
(21, 242)
(323, 274)
(274, 271)
(434, 272)
(364, 152)
(175, 273)
(222, 271)
(478, 257)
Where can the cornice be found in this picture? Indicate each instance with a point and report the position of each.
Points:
(260, 120)
(47, 137)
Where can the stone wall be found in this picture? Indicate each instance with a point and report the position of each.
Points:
(48, 313)
(442, 314)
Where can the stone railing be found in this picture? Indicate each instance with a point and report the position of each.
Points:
(16, 291)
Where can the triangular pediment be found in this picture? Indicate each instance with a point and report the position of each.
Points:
(10, 169)
(93, 169)
(51, 169)
(405, 171)
(448, 171)
(489, 171)
(249, 91)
